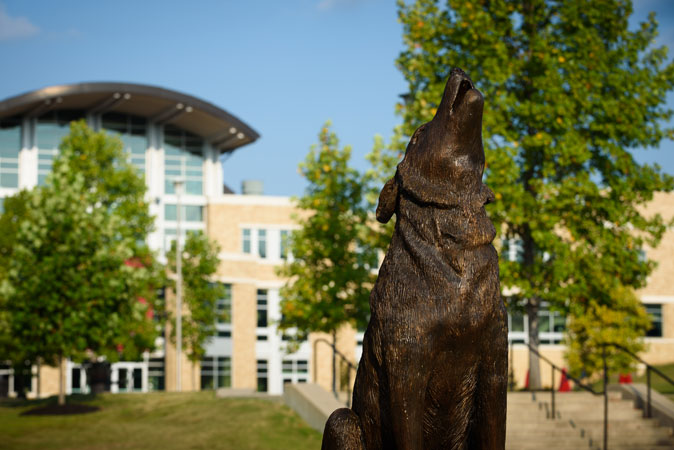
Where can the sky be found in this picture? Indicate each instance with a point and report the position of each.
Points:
(283, 67)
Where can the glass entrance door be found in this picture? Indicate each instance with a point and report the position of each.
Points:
(129, 377)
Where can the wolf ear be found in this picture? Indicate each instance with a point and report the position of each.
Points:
(388, 198)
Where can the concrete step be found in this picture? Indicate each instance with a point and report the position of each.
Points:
(579, 415)
(631, 426)
(580, 423)
(581, 446)
(542, 431)
(538, 445)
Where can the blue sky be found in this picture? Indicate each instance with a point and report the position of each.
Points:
(284, 67)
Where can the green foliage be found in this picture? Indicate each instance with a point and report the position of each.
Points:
(10, 221)
(569, 90)
(331, 271)
(79, 283)
(199, 263)
(383, 160)
(622, 323)
(113, 182)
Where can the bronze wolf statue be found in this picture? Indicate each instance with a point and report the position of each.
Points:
(434, 368)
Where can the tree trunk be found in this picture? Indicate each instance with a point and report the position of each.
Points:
(62, 393)
(19, 376)
(39, 374)
(334, 362)
(534, 364)
(194, 376)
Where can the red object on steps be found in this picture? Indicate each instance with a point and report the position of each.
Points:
(625, 378)
(564, 385)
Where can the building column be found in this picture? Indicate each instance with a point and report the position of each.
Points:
(244, 322)
(28, 155)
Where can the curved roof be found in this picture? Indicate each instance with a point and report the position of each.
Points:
(221, 129)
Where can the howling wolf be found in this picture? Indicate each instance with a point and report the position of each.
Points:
(434, 368)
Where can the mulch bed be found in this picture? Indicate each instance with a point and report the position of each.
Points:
(56, 410)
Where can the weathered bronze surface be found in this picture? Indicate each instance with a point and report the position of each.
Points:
(434, 367)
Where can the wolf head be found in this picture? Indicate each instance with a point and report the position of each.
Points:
(444, 160)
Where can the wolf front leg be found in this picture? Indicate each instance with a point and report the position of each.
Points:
(488, 431)
(408, 379)
(343, 431)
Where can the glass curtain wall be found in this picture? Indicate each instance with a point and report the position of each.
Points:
(49, 132)
(183, 158)
(132, 130)
(10, 146)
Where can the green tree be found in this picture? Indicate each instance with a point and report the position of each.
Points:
(383, 160)
(15, 209)
(199, 263)
(330, 274)
(80, 282)
(569, 91)
(601, 324)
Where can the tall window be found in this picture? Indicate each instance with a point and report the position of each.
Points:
(285, 235)
(295, 371)
(223, 306)
(216, 372)
(155, 374)
(10, 145)
(262, 243)
(516, 331)
(262, 375)
(170, 235)
(551, 326)
(262, 321)
(49, 132)
(183, 158)
(132, 130)
(190, 213)
(245, 239)
(655, 314)
(512, 250)
(76, 380)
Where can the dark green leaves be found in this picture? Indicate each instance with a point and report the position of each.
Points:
(332, 267)
(569, 90)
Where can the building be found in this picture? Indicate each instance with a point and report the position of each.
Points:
(251, 231)
(657, 297)
(168, 135)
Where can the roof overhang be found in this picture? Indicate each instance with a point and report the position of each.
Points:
(221, 129)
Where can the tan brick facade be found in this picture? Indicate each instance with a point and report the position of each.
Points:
(227, 216)
(244, 316)
(660, 281)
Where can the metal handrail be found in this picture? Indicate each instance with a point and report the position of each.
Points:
(580, 385)
(649, 369)
(588, 388)
(349, 364)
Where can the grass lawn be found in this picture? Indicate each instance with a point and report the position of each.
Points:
(159, 420)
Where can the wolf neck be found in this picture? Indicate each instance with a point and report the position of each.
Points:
(444, 179)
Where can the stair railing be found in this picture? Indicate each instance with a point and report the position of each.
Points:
(578, 383)
(649, 369)
(555, 368)
(351, 366)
